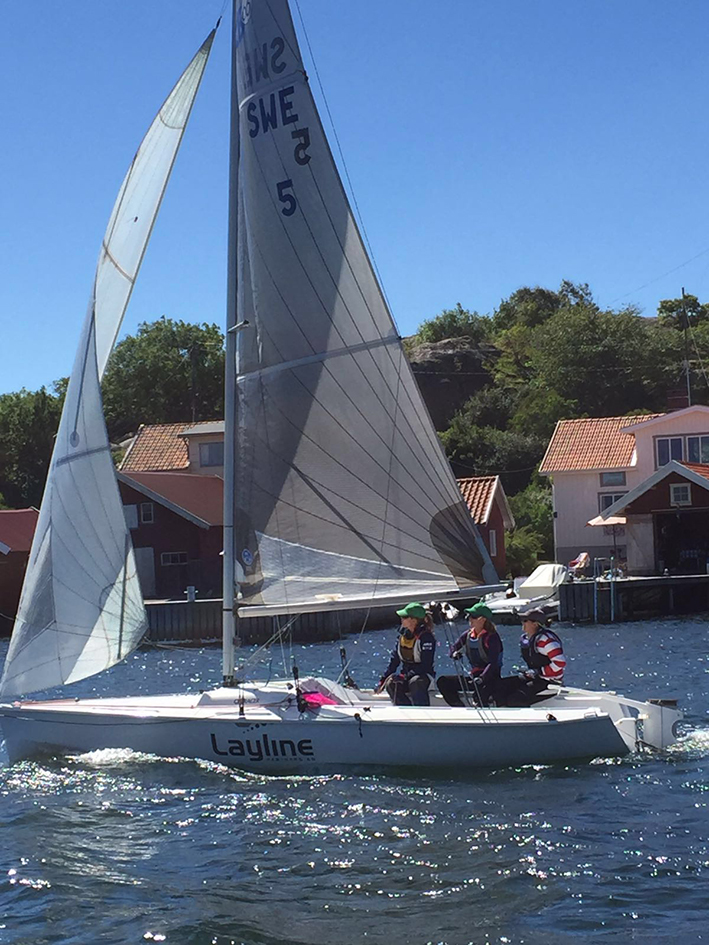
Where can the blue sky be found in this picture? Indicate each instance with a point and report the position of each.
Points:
(490, 144)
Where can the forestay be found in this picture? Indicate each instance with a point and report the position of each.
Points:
(81, 609)
(343, 492)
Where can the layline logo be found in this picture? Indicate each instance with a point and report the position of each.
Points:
(263, 748)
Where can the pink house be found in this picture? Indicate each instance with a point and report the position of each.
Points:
(632, 467)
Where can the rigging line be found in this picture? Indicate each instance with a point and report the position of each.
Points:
(696, 348)
(342, 158)
(663, 276)
(389, 476)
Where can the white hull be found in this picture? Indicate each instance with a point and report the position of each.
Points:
(261, 730)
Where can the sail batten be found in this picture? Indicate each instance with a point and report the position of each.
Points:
(81, 609)
(342, 488)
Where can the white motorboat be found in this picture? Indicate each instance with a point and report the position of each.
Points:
(342, 496)
(540, 589)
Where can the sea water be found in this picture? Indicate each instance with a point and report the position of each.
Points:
(117, 847)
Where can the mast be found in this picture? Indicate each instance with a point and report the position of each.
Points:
(230, 377)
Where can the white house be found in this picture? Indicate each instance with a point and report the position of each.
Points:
(596, 463)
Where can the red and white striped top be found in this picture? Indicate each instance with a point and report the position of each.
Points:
(548, 645)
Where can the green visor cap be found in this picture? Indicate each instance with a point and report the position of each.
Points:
(412, 610)
(479, 610)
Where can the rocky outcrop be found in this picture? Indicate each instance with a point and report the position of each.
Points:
(448, 373)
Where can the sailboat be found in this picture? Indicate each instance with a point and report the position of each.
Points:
(341, 497)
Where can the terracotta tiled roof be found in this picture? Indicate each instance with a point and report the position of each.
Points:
(17, 528)
(156, 447)
(202, 496)
(478, 492)
(701, 469)
(594, 443)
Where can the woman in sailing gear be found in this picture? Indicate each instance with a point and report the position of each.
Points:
(414, 653)
(543, 653)
(482, 645)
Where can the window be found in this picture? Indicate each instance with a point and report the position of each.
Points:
(669, 448)
(698, 449)
(493, 542)
(613, 479)
(147, 513)
(131, 514)
(211, 454)
(680, 493)
(606, 499)
(173, 557)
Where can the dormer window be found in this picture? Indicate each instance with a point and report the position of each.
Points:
(698, 449)
(211, 454)
(669, 448)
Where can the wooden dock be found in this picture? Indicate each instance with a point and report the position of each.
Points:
(633, 598)
(199, 622)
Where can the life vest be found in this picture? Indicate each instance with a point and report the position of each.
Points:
(476, 649)
(410, 646)
(530, 654)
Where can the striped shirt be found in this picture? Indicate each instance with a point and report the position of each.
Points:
(548, 645)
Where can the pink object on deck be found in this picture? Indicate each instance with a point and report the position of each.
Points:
(316, 699)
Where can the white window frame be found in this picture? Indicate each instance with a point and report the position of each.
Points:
(613, 496)
(669, 440)
(492, 536)
(166, 558)
(702, 441)
(147, 513)
(675, 488)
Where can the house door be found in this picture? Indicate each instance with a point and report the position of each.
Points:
(682, 541)
(145, 563)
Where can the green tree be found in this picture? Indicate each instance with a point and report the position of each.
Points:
(609, 362)
(486, 451)
(28, 424)
(454, 323)
(169, 371)
(679, 313)
(532, 510)
(523, 548)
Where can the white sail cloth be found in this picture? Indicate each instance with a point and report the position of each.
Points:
(343, 491)
(81, 608)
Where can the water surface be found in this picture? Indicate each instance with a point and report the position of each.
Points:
(115, 847)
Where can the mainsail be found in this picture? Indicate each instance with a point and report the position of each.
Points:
(82, 609)
(343, 493)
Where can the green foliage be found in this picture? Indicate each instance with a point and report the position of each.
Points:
(168, 372)
(454, 323)
(523, 551)
(485, 451)
(532, 509)
(28, 424)
(679, 313)
(603, 361)
(490, 407)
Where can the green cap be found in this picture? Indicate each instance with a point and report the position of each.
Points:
(412, 610)
(479, 610)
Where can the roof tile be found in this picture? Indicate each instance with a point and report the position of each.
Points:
(592, 443)
(477, 493)
(158, 447)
